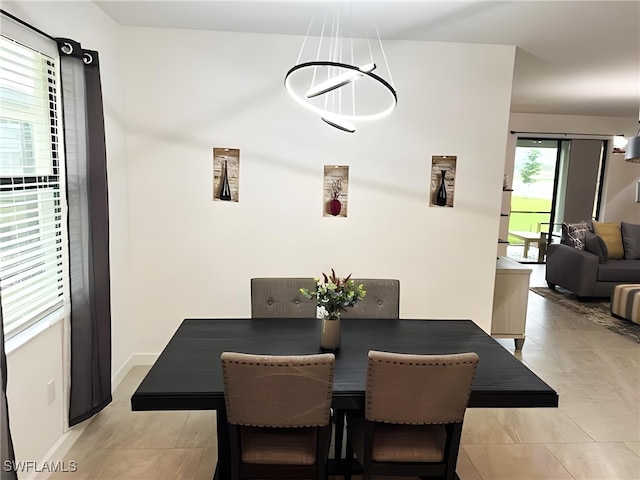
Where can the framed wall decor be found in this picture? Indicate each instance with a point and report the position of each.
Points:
(335, 191)
(226, 174)
(443, 180)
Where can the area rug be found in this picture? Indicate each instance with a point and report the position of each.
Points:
(597, 311)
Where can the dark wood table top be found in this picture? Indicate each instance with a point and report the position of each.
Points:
(188, 375)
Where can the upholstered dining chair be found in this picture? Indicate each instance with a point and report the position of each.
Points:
(281, 298)
(381, 301)
(414, 411)
(278, 410)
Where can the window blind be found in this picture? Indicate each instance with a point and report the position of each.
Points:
(33, 268)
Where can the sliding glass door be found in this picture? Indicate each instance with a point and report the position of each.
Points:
(554, 180)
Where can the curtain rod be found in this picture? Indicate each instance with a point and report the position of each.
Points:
(565, 134)
(22, 22)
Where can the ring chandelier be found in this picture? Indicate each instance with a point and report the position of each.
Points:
(330, 83)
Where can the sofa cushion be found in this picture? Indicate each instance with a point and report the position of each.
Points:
(594, 244)
(630, 240)
(610, 233)
(573, 234)
(619, 271)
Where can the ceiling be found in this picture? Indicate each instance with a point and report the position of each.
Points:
(572, 57)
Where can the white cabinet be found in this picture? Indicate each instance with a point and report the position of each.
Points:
(510, 296)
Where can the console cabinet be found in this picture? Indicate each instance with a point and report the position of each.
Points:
(510, 295)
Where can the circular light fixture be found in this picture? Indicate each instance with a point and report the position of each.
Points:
(341, 81)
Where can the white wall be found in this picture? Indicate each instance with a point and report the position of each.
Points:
(621, 177)
(175, 253)
(36, 426)
(190, 91)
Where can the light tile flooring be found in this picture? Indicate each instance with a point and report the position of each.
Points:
(594, 434)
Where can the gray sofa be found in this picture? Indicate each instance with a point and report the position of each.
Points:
(594, 257)
(582, 273)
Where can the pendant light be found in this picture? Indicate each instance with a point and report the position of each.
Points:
(632, 153)
(334, 76)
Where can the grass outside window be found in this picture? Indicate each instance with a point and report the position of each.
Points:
(528, 222)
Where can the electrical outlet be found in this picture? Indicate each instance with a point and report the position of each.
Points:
(51, 391)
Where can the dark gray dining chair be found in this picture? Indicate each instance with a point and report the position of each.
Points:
(280, 297)
(381, 301)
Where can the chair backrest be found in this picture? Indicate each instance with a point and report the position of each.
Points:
(381, 301)
(418, 389)
(281, 298)
(278, 391)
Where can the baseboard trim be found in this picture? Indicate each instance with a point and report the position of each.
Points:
(134, 360)
(69, 438)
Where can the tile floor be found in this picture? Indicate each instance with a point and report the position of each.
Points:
(594, 434)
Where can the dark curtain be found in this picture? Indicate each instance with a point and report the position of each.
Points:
(87, 197)
(6, 444)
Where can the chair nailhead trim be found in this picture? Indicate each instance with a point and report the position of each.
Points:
(236, 362)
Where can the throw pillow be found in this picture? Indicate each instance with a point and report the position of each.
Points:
(610, 233)
(630, 240)
(573, 234)
(594, 244)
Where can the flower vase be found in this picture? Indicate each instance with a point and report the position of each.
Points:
(335, 206)
(441, 196)
(225, 190)
(330, 334)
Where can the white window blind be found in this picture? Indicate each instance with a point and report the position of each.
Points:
(33, 271)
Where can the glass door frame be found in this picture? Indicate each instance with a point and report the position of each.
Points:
(551, 212)
(556, 184)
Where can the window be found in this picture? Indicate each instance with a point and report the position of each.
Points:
(33, 272)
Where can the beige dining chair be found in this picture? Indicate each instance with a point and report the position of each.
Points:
(278, 410)
(414, 411)
(278, 297)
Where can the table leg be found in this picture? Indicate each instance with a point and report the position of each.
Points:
(542, 246)
(340, 414)
(223, 468)
(527, 244)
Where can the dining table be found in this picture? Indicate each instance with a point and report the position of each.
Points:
(187, 375)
